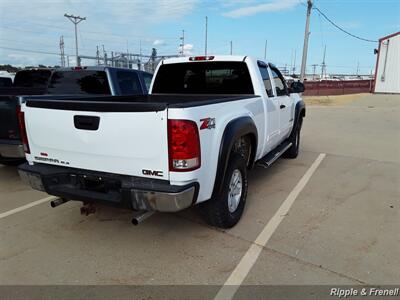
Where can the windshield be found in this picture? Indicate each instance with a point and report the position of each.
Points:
(32, 78)
(203, 78)
(79, 82)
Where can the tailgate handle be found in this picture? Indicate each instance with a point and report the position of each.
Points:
(86, 122)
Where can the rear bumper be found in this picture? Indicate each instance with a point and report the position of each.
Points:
(130, 192)
(11, 149)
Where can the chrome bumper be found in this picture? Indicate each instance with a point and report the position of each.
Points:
(11, 149)
(164, 202)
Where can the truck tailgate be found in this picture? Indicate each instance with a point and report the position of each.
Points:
(121, 138)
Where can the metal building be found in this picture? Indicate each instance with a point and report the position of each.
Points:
(387, 70)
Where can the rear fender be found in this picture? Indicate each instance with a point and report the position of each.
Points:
(234, 130)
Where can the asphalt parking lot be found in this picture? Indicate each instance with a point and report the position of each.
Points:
(342, 228)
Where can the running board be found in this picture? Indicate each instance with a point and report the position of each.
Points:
(271, 157)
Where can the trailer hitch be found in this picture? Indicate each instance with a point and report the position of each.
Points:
(88, 208)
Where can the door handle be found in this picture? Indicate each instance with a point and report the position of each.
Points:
(282, 106)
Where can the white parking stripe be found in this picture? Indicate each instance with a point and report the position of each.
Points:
(238, 275)
(22, 208)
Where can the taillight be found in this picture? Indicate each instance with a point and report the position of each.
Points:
(201, 58)
(78, 68)
(183, 145)
(22, 129)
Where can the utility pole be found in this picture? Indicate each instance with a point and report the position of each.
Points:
(104, 56)
(305, 46)
(314, 67)
(62, 51)
(265, 49)
(97, 55)
(323, 65)
(182, 44)
(231, 47)
(205, 48)
(128, 57)
(140, 55)
(153, 59)
(291, 61)
(358, 67)
(76, 20)
(294, 63)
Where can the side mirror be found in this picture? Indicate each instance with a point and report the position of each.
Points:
(296, 87)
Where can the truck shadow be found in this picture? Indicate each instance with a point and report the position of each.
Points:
(258, 178)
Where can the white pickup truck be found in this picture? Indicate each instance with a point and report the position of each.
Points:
(207, 121)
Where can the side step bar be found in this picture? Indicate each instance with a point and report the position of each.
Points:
(271, 157)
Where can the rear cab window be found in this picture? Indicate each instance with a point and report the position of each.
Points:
(128, 83)
(203, 78)
(147, 80)
(32, 78)
(79, 82)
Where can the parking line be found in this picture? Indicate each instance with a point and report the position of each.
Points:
(238, 275)
(22, 208)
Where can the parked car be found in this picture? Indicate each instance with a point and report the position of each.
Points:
(6, 79)
(99, 80)
(207, 121)
(64, 82)
(26, 82)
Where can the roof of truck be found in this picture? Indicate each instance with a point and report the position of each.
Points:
(209, 58)
(96, 68)
(227, 58)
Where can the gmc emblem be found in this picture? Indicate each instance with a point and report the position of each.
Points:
(152, 173)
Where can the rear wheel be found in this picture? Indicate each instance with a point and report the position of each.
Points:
(226, 209)
(294, 138)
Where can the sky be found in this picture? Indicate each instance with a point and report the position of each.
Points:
(30, 30)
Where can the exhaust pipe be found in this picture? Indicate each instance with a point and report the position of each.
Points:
(141, 217)
(58, 202)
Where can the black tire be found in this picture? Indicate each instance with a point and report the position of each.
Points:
(294, 138)
(216, 211)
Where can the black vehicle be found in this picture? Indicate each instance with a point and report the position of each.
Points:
(66, 82)
(5, 81)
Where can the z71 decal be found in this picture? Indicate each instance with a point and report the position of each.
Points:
(207, 123)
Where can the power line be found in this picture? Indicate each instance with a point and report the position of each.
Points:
(341, 29)
(31, 51)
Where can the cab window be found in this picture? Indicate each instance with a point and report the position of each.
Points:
(128, 83)
(280, 84)
(265, 77)
(147, 80)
